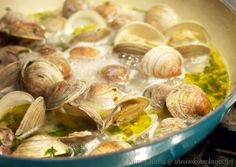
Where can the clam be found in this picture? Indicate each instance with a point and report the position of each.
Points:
(10, 54)
(115, 74)
(33, 117)
(137, 38)
(82, 21)
(38, 75)
(110, 146)
(162, 17)
(127, 110)
(162, 62)
(9, 74)
(189, 38)
(54, 24)
(104, 94)
(86, 51)
(63, 92)
(17, 25)
(62, 64)
(188, 102)
(42, 146)
(94, 35)
(6, 138)
(168, 126)
(79, 141)
(72, 6)
(84, 111)
(108, 10)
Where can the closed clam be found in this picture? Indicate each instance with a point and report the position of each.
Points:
(115, 74)
(189, 38)
(42, 146)
(188, 102)
(137, 38)
(72, 6)
(18, 25)
(38, 75)
(161, 17)
(162, 62)
(9, 74)
(32, 117)
(159, 92)
(63, 92)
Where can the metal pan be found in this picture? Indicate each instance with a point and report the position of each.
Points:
(220, 21)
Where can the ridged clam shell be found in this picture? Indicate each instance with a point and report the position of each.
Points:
(161, 17)
(38, 75)
(37, 147)
(162, 62)
(33, 119)
(9, 74)
(188, 102)
(63, 92)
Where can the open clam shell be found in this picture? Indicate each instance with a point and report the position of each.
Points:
(137, 38)
(84, 18)
(63, 92)
(189, 38)
(33, 119)
(162, 62)
(42, 146)
(9, 74)
(188, 102)
(127, 110)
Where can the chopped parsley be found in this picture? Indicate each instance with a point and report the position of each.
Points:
(51, 152)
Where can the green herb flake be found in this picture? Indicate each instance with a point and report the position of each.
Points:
(51, 152)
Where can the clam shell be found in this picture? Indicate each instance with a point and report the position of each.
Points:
(188, 102)
(83, 18)
(108, 10)
(13, 99)
(109, 146)
(162, 17)
(38, 75)
(167, 127)
(189, 38)
(9, 74)
(63, 92)
(162, 62)
(137, 38)
(115, 74)
(38, 146)
(84, 111)
(127, 110)
(72, 6)
(33, 119)
(93, 35)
